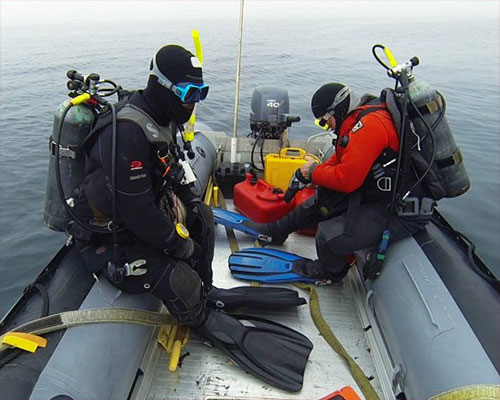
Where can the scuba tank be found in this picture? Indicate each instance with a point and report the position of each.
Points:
(427, 148)
(73, 121)
(77, 125)
(429, 110)
(423, 108)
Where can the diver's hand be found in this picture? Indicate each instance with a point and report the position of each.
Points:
(174, 175)
(304, 169)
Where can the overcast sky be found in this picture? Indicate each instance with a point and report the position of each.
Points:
(48, 12)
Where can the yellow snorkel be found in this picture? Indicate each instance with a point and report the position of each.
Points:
(189, 129)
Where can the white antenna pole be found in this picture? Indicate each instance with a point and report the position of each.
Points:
(237, 97)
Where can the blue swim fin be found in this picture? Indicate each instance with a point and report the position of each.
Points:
(268, 265)
(234, 220)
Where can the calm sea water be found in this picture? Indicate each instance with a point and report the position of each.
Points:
(460, 58)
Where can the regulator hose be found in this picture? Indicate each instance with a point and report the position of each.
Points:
(430, 134)
(116, 249)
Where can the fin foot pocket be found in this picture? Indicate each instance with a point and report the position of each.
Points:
(256, 298)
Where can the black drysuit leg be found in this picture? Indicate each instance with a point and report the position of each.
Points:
(324, 204)
(334, 242)
(172, 281)
(201, 227)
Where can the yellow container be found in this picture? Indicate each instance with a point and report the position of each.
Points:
(279, 168)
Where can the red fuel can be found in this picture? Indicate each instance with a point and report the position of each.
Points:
(259, 201)
(299, 198)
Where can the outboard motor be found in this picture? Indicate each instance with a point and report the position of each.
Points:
(269, 113)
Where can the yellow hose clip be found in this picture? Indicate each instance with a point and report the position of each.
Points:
(390, 57)
(182, 231)
(80, 99)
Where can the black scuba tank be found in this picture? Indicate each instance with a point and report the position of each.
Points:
(448, 162)
(77, 125)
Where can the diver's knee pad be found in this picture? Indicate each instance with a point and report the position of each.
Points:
(201, 226)
(179, 287)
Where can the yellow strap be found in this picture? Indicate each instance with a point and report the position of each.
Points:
(325, 331)
(40, 341)
(24, 341)
(472, 392)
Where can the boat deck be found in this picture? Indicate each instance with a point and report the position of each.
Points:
(205, 372)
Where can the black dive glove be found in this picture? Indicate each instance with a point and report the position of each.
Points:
(174, 175)
(298, 182)
(183, 248)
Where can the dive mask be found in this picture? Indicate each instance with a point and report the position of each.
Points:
(186, 91)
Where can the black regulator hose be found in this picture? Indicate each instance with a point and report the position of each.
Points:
(116, 249)
(260, 137)
(431, 135)
(374, 52)
(401, 147)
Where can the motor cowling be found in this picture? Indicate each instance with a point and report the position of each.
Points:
(77, 125)
(269, 113)
(448, 162)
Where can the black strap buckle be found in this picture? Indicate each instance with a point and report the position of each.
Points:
(413, 206)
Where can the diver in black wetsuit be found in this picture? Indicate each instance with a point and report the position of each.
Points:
(141, 191)
(160, 255)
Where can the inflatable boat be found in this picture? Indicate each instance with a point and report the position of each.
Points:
(428, 326)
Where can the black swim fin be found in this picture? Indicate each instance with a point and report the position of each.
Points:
(254, 297)
(272, 352)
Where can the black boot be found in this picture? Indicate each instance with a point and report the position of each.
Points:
(315, 269)
(269, 229)
(304, 216)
